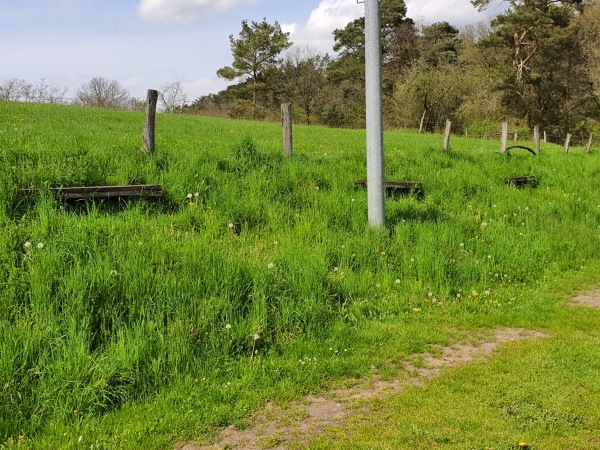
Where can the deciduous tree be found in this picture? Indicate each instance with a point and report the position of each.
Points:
(305, 82)
(103, 93)
(172, 96)
(545, 81)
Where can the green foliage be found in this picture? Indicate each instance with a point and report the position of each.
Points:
(256, 49)
(545, 79)
(125, 306)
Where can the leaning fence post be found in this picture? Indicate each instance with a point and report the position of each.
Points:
(447, 135)
(504, 137)
(588, 147)
(149, 145)
(567, 143)
(286, 121)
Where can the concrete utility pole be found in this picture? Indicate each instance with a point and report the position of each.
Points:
(374, 95)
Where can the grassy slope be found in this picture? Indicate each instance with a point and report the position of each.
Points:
(144, 356)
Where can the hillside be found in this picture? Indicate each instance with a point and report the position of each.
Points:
(143, 323)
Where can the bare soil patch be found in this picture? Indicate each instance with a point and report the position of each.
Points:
(293, 426)
(590, 299)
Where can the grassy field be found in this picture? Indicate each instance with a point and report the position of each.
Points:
(139, 324)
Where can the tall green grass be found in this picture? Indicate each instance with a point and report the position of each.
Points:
(267, 266)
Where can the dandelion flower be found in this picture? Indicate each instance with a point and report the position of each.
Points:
(228, 327)
(197, 194)
(40, 245)
(271, 266)
(75, 412)
(189, 196)
(256, 336)
(114, 273)
(417, 309)
(378, 285)
(196, 380)
(230, 225)
(397, 280)
(383, 253)
(430, 294)
(27, 244)
(484, 224)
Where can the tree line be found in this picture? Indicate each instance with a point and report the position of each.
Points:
(99, 92)
(536, 63)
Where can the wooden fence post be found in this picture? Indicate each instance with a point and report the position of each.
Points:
(504, 137)
(545, 137)
(149, 145)
(567, 143)
(536, 138)
(516, 135)
(588, 147)
(447, 135)
(286, 121)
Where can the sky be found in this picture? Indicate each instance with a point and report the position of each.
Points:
(145, 44)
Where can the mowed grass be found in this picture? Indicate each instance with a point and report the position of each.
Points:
(144, 323)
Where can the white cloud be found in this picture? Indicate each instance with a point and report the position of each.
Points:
(329, 15)
(317, 33)
(184, 11)
(457, 12)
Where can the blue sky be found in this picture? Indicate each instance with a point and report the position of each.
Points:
(147, 43)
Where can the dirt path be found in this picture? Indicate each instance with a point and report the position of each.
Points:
(589, 298)
(292, 427)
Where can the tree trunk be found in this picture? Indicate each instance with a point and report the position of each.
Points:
(255, 79)
(422, 124)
